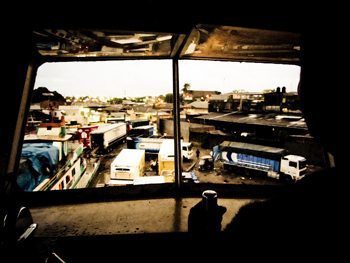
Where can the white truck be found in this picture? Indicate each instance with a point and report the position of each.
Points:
(128, 165)
(166, 158)
(293, 166)
(153, 146)
(187, 150)
(107, 135)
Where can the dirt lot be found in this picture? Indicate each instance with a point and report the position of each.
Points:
(222, 177)
(218, 175)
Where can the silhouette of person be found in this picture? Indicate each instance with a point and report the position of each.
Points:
(198, 152)
(309, 217)
(311, 213)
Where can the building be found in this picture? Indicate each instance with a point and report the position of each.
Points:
(282, 101)
(234, 101)
(193, 95)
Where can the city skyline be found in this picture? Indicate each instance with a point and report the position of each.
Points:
(138, 78)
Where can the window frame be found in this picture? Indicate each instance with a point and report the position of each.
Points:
(293, 164)
(146, 191)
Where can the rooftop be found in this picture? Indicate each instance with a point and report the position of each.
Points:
(256, 119)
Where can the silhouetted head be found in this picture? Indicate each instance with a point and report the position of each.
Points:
(321, 93)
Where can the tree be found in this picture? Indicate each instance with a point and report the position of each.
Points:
(39, 95)
(138, 99)
(186, 87)
(169, 98)
(115, 100)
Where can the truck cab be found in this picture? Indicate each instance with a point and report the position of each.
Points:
(293, 166)
(187, 150)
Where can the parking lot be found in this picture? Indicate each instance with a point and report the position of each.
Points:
(217, 175)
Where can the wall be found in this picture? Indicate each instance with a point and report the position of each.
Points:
(167, 126)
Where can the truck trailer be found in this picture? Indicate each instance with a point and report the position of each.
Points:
(107, 135)
(142, 131)
(259, 159)
(153, 146)
(166, 158)
(128, 165)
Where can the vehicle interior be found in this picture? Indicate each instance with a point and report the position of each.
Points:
(143, 221)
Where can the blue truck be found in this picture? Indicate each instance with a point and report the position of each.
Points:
(246, 158)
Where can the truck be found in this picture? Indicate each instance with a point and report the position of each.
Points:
(107, 135)
(153, 145)
(83, 135)
(137, 123)
(128, 165)
(141, 131)
(166, 158)
(187, 150)
(259, 159)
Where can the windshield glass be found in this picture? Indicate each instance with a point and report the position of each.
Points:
(302, 164)
(88, 120)
(248, 117)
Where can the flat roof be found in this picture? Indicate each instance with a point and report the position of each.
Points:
(268, 119)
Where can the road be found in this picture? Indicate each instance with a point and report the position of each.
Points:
(103, 174)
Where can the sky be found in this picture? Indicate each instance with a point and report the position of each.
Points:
(137, 78)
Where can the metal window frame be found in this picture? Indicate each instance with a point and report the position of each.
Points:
(158, 190)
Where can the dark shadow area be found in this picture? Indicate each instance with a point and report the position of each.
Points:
(307, 217)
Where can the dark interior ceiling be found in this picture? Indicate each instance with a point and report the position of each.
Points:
(201, 42)
(242, 44)
(91, 31)
(103, 43)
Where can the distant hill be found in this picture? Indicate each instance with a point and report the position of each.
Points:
(39, 96)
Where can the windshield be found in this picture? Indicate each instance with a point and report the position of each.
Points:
(79, 119)
(302, 164)
(245, 115)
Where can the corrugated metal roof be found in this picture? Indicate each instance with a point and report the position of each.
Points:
(249, 148)
(257, 119)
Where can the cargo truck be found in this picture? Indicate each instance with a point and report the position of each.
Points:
(107, 135)
(142, 131)
(128, 165)
(153, 145)
(259, 159)
(166, 160)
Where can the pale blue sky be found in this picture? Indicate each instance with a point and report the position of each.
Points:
(136, 78)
